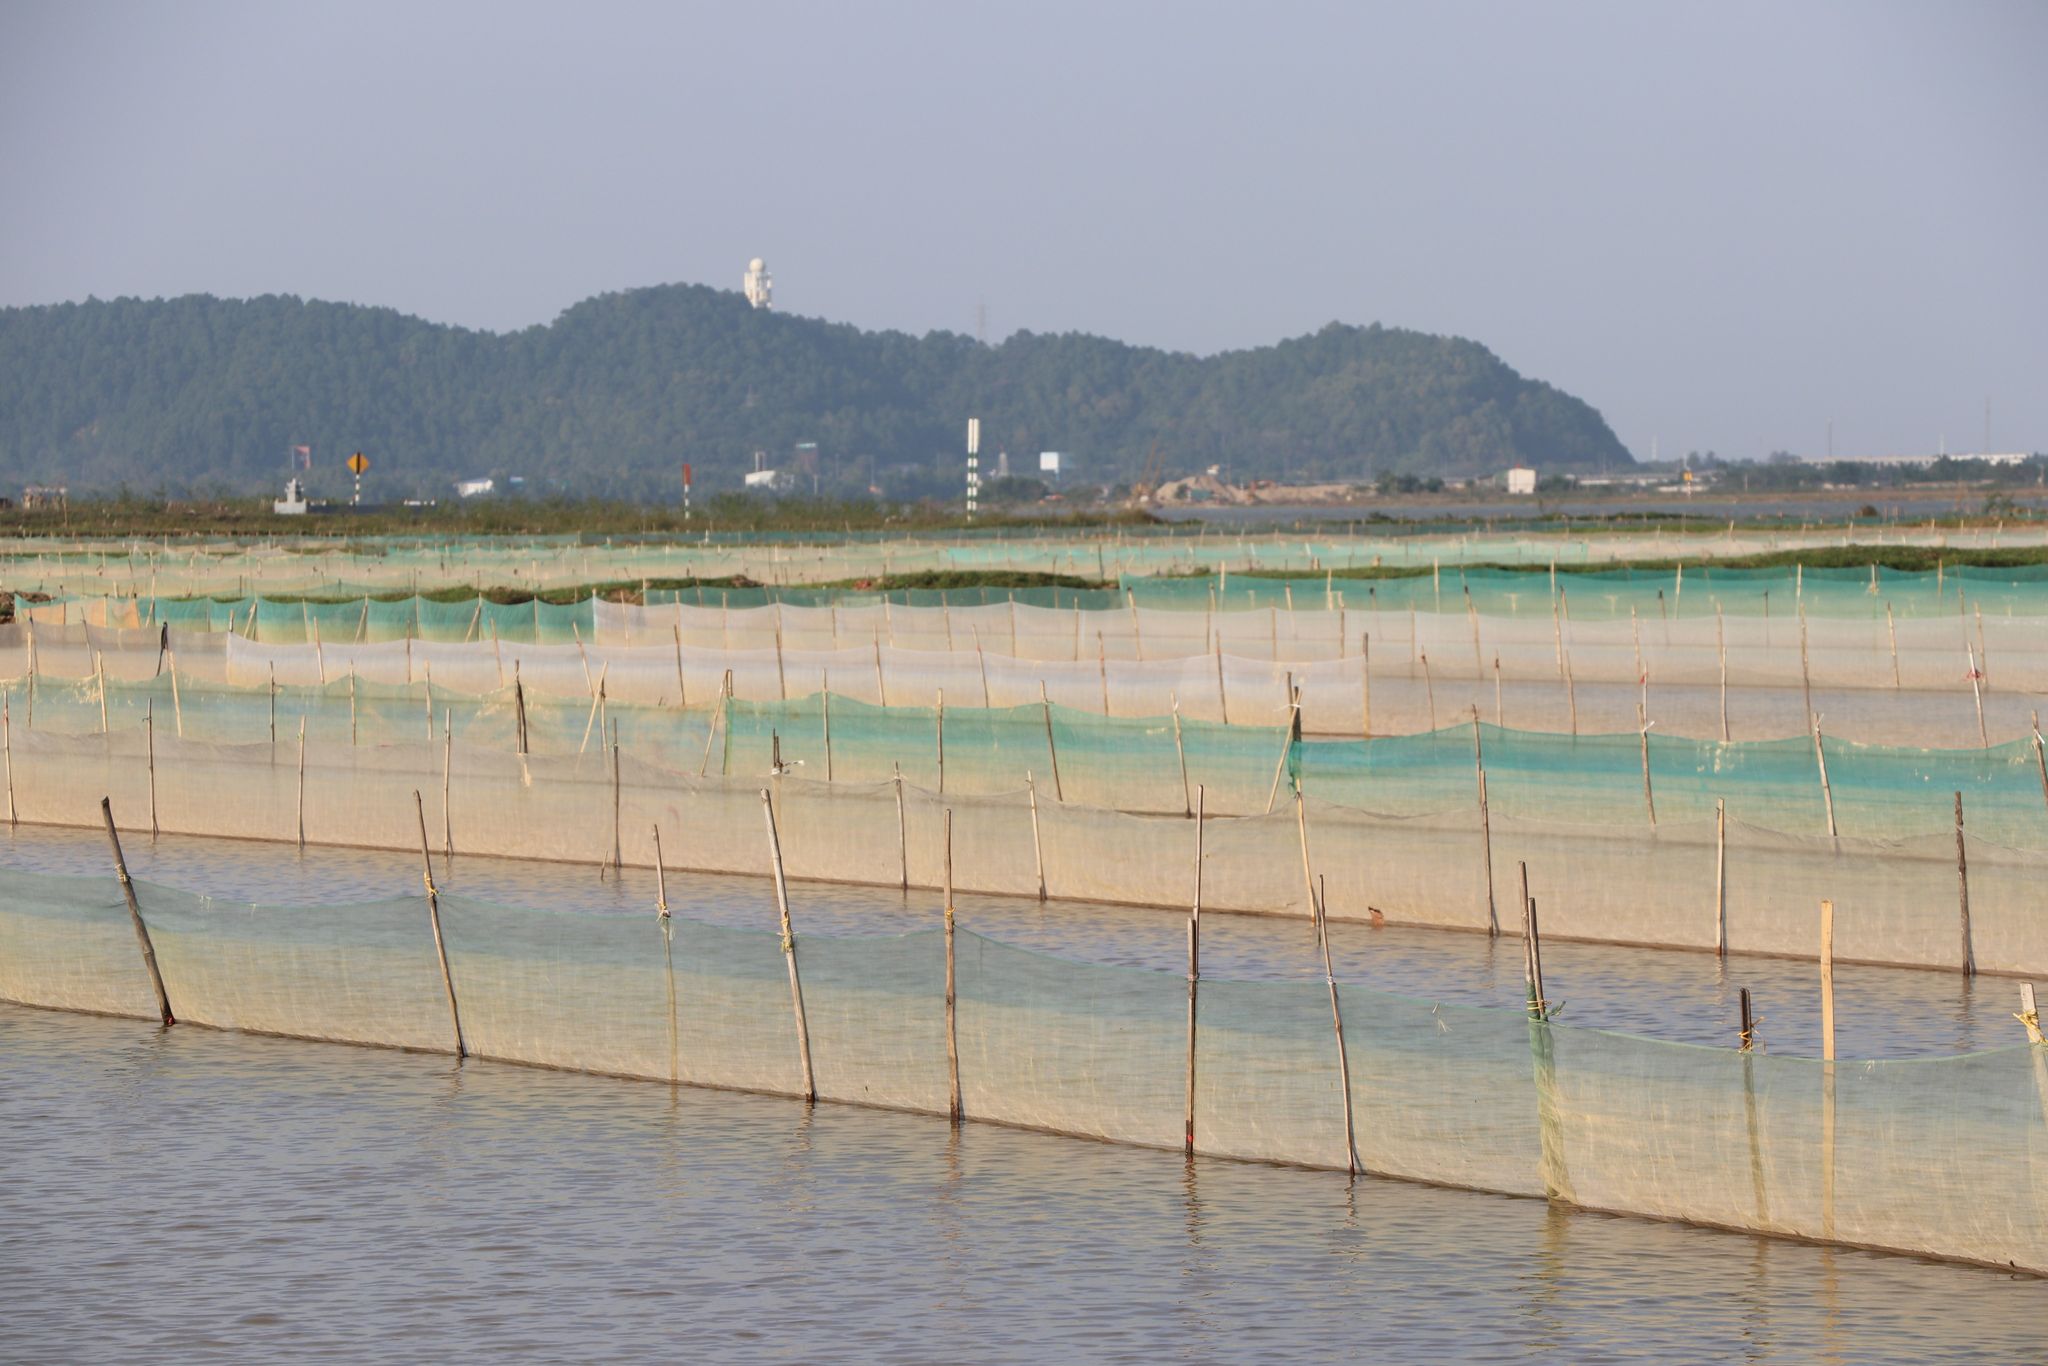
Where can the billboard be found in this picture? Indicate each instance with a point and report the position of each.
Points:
(1048, 462)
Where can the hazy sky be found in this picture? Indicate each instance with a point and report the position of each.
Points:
(1722, 224)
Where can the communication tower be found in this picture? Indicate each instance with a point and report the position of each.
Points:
(758, 285)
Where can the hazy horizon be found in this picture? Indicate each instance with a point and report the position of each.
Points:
(1722, 226)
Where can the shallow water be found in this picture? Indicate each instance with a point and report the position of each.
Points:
(196, 1195)
(1677, 996)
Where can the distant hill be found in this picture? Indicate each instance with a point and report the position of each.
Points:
(195, 393)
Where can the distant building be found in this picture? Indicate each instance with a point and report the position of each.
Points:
(44, 498)
(293, 504)
(768, 481)
(1521, 480)
(475, 488)
(758, 285)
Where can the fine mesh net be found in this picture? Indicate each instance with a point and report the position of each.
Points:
(1939, 1156)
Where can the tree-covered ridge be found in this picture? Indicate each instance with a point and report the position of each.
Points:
(197, 391)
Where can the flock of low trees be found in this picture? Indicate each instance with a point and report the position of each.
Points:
(197, 393)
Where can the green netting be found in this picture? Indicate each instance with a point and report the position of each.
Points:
(1939, 1156)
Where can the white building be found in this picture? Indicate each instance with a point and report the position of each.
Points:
(758, 285)
(293, 504)
(1521, 480)
(475, 488)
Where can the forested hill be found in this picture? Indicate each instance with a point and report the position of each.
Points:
(197, 392)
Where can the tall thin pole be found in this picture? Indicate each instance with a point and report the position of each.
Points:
(1827, 791)
(156, 978)
(1058, 791)
(1351, 1163)
(1037, 845)
(1721, 876)
(1194, 965)
(302, 782)
(796, 989)
(434, 919)
(7, 736)
(1963, 891)
(952, 1034)
(1181, 753)
(149, 741)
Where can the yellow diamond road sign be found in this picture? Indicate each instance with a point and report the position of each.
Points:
(358, 463)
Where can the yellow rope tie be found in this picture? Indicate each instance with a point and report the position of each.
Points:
(428, 878)
(789, 942)
(2032, 1020)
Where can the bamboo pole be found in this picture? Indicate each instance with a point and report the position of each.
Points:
(1293, 738)
(1963, 892)
(1891, 631)
(902, 832)
(2030, 1015)
(1827, 790)
(2040, 758)
(177, 704)
(1052, 750)
(302, 783)
(351, 701)
(1308, 876)
(434, 919)
(717, 719)
(1222, 693)
(1037, 845)
(1827, 980)
(1721, 877)
(1805, 672)
(1485, 830)
(156, 977)
(1365, 679)
(1571, 694)
(447, 783)
(1643, 725)
(99, 669)
(596, 702)
(1429, 689)
(796, 989)
(952, 1035)
(149, 741)
(1194, 965)
(618, 853)
(1180, 753)
(1977, 691)
(825, 704)
(942, 740)
(683, 688)
(7, 736)
(1532, 951)
(1500, 717)
(1321, 913)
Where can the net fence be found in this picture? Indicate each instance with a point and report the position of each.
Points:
(1945, 1157)
(1690, 881)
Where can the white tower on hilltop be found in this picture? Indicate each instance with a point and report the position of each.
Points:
(758, 285)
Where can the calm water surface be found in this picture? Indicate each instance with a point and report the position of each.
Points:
(200, 1195)
(195, 1195)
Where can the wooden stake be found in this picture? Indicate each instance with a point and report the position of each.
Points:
(1485, 832)
(273, 702)
(1058, 792)
(1037, 845)
(434, 919)
(942, 741)
(796, 989)
(825, 703)
(1649, 798)
(302, 783)
(1977, 691)
(682, 688)
(156, 978)
(1805, 673)
(1308, 876)
(711, 728)
(1532, 951)
(1318, 909)
(149, 740)
(1827, 790)
(7, 736)
(99, 669)
(1180, 752)
(1748, 1035)
(902, 832)
(447, 777)
(1721, 877)
(952, 1036)
(1286, 751)
(1222, 693)
(1429, 689)
(1365, 679)
(1891, 631)
(1827, 980)
(1194, 964)
(352, 700)
(177, 705)
(1963, 892)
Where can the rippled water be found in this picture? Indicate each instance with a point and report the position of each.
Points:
(195, 1195)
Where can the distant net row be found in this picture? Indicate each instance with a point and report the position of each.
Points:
(1947, 1157)
(1923, 696)
(1937, 900)
(132, 567)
